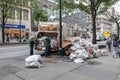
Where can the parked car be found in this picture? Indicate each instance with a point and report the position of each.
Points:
(101, 43)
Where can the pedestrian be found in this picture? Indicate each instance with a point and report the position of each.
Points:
(17, 37)
(109, 44)
(31, 44)
(24, 39)
(115, 47)
(48, 47)
(7, 38)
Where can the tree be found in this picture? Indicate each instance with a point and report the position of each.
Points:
(92, 7)
(114, 17)
(38, 13)
(5, 6)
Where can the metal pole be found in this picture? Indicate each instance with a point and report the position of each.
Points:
(20, 21)
(31, 18)
(60, 31)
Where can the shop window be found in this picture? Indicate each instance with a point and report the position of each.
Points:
(25, 14)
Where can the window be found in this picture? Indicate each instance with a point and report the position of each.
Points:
(12, 13)
(19, 13)
(25, 14)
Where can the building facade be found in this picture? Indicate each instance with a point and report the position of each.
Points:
(103, 24)
(19, 21)
(50, 6)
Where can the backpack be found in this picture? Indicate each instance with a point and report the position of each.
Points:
(115, 44)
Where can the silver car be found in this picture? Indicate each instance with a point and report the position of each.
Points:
(102, 43)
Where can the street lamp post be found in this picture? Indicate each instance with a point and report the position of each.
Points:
(60, 31)
(20, 21)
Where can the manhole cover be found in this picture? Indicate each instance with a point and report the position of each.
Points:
(93, 62)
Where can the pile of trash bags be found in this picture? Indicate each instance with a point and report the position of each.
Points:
(83, 49)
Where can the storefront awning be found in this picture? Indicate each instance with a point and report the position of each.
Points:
(14, 26)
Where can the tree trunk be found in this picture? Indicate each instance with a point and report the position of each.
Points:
(3, 26)
(117, 29)
(3, 34)
(93, 16)
(94, 29)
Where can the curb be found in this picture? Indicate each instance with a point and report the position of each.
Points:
(7, 44)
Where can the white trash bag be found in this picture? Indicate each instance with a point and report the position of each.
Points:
(72, 56)
(33, 61)
(78, 60)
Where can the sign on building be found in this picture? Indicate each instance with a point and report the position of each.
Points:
(106, 34)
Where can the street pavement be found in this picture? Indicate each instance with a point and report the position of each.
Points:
(103, 68)
(12, 42)
(10, 51)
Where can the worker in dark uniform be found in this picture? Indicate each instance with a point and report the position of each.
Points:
(48, 47)
(31, 46)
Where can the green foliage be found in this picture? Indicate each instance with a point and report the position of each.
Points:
(38, 13)
(6, 5)
(99, 6)
(105, 4)
(7, 8)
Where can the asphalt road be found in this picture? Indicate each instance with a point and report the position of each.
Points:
(15, 51)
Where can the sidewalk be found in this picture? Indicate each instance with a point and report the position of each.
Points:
(65, 70)
(12, 42)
